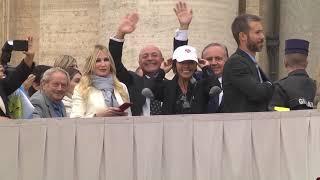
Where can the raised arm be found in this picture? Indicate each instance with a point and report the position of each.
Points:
(14, 80)
(126, 26)
(184, 16)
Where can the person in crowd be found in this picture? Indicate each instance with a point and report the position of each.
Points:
(99, 92)
(245, 87)
(9, 83)
(297, 90)
(216, 54)
(47, 101)
(38, 73)
(183, 94)
(75, 76)
(150, 60)
(19, 104)
(65, 61)
(27, 84)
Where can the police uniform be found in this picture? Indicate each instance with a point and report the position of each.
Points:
(297, 90)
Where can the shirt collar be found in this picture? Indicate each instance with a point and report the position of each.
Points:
(252, 57)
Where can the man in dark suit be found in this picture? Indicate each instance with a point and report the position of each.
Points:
(15, 78)
(150, 60)
(47, 101)
(246, 88)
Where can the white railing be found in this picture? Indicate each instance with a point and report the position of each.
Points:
(250, 146)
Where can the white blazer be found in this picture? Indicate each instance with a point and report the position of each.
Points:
(95, 102)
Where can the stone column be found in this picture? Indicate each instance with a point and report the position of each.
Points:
(299, 19)
(4, 20)
(22, 20)
(68, 27)
(73, 27)
(211, 23)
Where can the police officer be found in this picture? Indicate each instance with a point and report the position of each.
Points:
(297, 90)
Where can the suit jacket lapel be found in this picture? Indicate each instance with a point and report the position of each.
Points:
(252, 65)
(49, 105)
(263, 75)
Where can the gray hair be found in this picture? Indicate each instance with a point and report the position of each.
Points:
(216, 44)
(48, 73)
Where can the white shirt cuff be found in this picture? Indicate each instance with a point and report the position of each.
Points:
(116, 39)
(181, 35)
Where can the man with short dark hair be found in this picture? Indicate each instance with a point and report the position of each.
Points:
(246, 88)
(48, 100)
(297, 90)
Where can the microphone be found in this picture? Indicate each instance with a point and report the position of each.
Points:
(193, 80)
(146, 92)
(214, 91)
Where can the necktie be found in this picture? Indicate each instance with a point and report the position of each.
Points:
(155, 107)
(58, 111)
(259, 73)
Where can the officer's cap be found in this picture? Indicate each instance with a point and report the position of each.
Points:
(297, 46)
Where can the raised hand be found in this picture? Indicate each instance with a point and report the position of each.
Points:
(166, 66)
(28, 82)
(184, 15)
(202, 63)
(127, 25)
(30, 53)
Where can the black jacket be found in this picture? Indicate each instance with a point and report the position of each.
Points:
(242, 89)
(169, 93)
(134, 83)
(296, 91)
(12, 82)
(207, 78)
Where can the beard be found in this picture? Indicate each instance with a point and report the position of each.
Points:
(254, 46)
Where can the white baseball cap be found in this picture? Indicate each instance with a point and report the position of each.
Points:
(185, 53)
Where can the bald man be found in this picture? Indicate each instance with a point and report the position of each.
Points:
(150, 60)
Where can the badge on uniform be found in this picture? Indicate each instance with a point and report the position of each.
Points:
(294, 103)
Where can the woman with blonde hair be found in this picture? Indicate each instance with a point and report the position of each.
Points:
(65, 61)
(99, 92)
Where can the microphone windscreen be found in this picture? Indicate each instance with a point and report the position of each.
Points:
(215, 90)
(146, 92)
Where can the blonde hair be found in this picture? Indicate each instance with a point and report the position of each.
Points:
(64, 61)
(85, 83)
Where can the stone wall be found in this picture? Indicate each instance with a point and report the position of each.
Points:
(300, 20)
(74, 26)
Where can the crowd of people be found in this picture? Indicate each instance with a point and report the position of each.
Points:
(214, 82)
